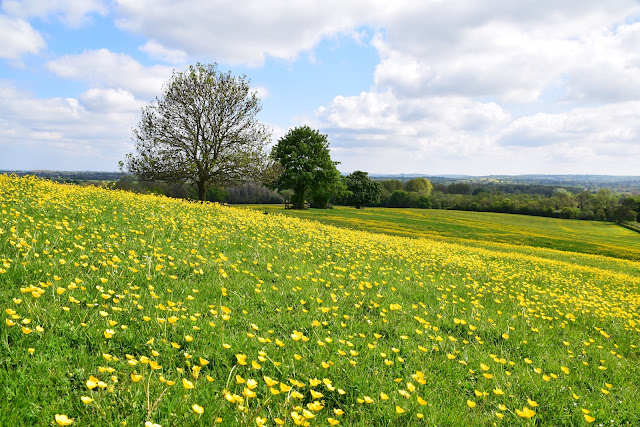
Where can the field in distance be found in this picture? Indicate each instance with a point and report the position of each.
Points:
(125, 309)
(588, 237)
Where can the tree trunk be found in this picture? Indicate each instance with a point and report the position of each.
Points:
(202, 191)
(297, 199)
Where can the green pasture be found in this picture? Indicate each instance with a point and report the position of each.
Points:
(588, 237)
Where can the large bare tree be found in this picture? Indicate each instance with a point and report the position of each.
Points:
(203, 129)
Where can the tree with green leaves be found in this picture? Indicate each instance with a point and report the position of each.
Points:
(363, 189)
(203, 130)
(419, 185)
(307, 168)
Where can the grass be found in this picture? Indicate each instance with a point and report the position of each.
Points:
(589, 237)
(123, 309)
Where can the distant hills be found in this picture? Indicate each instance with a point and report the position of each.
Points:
(586, 181)
(613, 182)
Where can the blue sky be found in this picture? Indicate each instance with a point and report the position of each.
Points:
(458, 87)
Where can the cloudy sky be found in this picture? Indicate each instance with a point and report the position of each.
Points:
(433, 87)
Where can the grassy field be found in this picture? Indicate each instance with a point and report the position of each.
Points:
(590, 237)
(123, 309)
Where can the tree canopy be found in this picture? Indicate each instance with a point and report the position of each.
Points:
(420, 185)
(307, 168)
(363, 190)
(203, 129)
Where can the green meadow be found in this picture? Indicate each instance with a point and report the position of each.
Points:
(124, 309)
(588, 237)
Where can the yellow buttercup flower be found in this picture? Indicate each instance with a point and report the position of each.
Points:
(525, 412)
(63, 420)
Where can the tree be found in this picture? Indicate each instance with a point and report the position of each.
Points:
(419, 185)
(363, 189)
(203, 130)
(334, 187)
(307, 167)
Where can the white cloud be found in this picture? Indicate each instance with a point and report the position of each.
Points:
(71, 12)
(602, 129)
(17, 37)
(383, 133)
(157, 51)
(110, 100)
(66, 133)
(243, 32)
(431, 122)
(112, 70)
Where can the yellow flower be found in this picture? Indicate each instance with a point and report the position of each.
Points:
(248, 393)
(187, 384)
(197, 409)
(92, 382)
(471, 404)
(399, 410)
(589, 418)
(86, 400)
(383, 396)
(532, 403)
(525, 412)
(270, 382)
(63, 420)
(421, 401)
(135, 377)
(333, 421)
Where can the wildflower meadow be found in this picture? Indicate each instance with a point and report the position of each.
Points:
(124, 309)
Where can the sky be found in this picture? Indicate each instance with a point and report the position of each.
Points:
(493, 87)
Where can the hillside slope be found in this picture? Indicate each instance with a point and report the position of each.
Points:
(122, 308)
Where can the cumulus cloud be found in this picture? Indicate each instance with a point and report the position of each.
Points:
(430, 122)
(71, 12)
(383, 133)
(90, 133)
(243, 32)
(157, 51)
(109, 100)
(604, 129)
(17, 37)
(112, 70)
